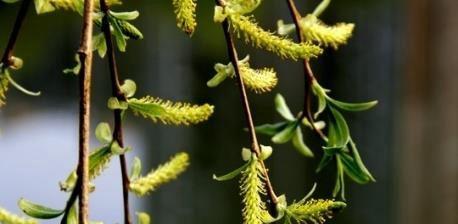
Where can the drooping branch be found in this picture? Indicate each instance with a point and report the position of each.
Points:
(255, 148)
(116, 92)
(308, 73)
(85, 56)
(8, 53)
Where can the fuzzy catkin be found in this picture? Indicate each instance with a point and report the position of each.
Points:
(285, 48)
(329, 36)
(160, 176)
(10, 218)
(185, 12)
(314, 210)
(3, 88)
(251, 188)
(176, 113)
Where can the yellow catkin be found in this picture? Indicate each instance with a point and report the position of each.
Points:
(3, 89)
(241, 6)
(329, 36)
(161, 175)
(258, 80)
(251, 188)
(285, 48)
(314, 210)
(10, 218)
(176, 113)
(185, 12)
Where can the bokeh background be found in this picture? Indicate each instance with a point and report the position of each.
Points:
(403, 54)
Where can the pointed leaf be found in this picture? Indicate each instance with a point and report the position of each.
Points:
(321, 96)
(271, 129)
(299, 145)
(119, 36)
(38, 211)
(125, 15)
(353, 106)
(136, 169)
(282, 108)
(286, 134)
(352, 170)
(72, 217)
(341, 127)
(232, 174)
(359, 161)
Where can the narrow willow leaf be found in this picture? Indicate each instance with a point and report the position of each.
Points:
(232, 174)
(143, 218)
(168, 112)
(341, 128)
(321, 7)
(299, 145)
(321, 96)
(338, 187)
(136, 169)
(309, 194)
(323, 162)
(359, 161)
(185, 12)
(271, 129)
(217, 79)
(353, 106)
(38, 211)
(125, 15)
(286, 134)
(130, 30)
(285, 48)
(7, 217)
(352, 169)
(103, 133)
(117, 33)
(160, 176)
(282, 108)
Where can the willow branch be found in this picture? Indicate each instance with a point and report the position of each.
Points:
(8, 53)
(308, 73)
(85, 55)
(116, 92)
(255, 148)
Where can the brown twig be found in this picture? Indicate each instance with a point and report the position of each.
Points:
(116, 92)
(308, 73)
(85, 55)
(247, 111)
(8, 53)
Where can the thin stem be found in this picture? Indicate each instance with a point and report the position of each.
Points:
(247, 111)
(116, 92)
(308, 73)
(8, 53)
(85, 55)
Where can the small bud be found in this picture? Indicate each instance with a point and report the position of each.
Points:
(246, 154)
(16, 63)
(266, 151)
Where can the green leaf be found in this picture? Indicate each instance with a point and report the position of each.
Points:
(114, 104)
(43, 6)
(232, 174)
(271, 129)
(359, 161)
(266, 152)
(217, 79)
(10, 1)
(341, 127)
(116, 149)
(136, 169)
(125, 15)
(324, 162)
(129, 88)
(352, 106)
(352, 170)
(103, 133)
(99, 44)
(286, 134)
(119, 36)
(299, 145)
(321, 95)
(98, 158)
(38, 211)
(72, 216)
(130, 30)
(282, 108)
(340, 182)
(143, 218)
(150, 109)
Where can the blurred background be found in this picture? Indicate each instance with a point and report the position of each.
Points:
(403, 53)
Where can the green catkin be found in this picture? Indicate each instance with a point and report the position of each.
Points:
(176, 113)
(185, 12)
(251, 188)
(314, 210)
(329, 36)
(160, 176)
(285, 48)
(10, 218)
(3, 88)
(130, 30)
